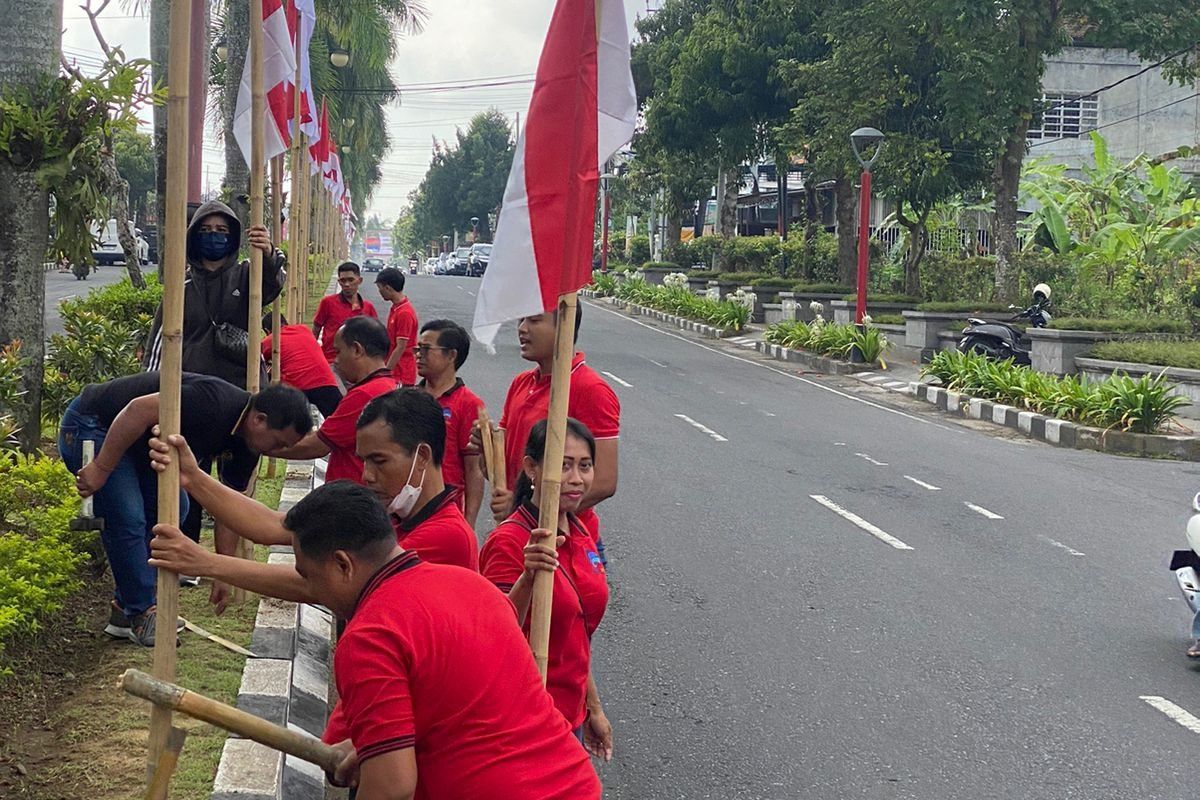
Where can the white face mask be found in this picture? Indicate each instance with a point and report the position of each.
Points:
(402, 504)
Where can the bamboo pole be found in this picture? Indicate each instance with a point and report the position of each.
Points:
(160, 782)
(501, 461)
(487, 445)
(174, 233)
(276, 236)
(167, 695)
(297, 164)
(556, 435)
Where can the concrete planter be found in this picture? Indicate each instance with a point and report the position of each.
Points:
(922, 329)
(754, 303)
(804, 299)
(654, 277)
(843, 310)
(1054, 351)
(831, 366)
(1184, 382)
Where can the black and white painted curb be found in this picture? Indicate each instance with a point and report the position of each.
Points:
(287, 684)
(832, 366)
(633, 309)
(1061, 432)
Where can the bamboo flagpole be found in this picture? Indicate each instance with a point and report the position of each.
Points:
(174, 233)
(556, 436)
(276, 236)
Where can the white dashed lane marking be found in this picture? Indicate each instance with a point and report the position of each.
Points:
(702, 428)
(866, 457)
(850, 516)
(618, 380)
(1061, 546)
(1174, 713)
(923, 484)
(983, 511)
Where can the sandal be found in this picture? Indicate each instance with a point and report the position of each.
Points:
(1194, 650)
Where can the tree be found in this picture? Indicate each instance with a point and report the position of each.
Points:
(134, 153)
(464, 181)
(30, 46)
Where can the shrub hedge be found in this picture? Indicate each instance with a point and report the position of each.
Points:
(827, 338)
(967, 307)
(681, 302)
(1142, 325)
(1185, 355)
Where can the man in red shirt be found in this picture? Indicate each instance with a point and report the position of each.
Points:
(421, 719)
(361, 360)
(303, 365)
(442, 350)
(592, 402)
(335, 309)
(401, 325)
(400, 440)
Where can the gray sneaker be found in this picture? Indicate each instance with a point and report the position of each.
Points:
(120, 627)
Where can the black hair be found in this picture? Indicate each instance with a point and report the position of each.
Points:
(268, 323)
(349, 266)
(452, 336)
(285, 407)
(367, 332)
(578, 319)
(391, 277)
(535, 448)
(340, 516)
(414, 417)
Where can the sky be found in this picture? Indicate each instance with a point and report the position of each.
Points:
(463, 41)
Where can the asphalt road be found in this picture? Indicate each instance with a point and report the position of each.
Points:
(64, 285)
(824, 590)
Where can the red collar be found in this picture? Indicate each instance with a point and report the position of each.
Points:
(361, 302)
(379, 373)
(458, 384)
(406, 560)
(576, 362)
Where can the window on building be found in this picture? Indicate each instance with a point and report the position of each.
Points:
(1066, 116)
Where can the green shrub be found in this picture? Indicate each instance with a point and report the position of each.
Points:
(12, 394)
(639, 249)
(91, 349)
(1141, 325)
(121, 303)
(1185, 355)
(660, 266)
(947, 277)
(751, 253)
(830, 339)
(742, 278)
(604, 285)
(821, 288)
(886, 298)
(681, 302)
(773, 284)
(1142, 405)
(702, 249)
(40, 555)
(966, 307)
(888, 319)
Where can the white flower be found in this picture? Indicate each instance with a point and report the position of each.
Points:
(817, 308)
(867, 319)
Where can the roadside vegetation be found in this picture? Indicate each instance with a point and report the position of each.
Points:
(831, 339)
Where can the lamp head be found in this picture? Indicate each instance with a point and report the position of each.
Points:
(339, 57)
(864, 138)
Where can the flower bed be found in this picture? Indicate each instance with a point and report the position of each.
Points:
(673, 297)
(1140, 405)
(831, 339)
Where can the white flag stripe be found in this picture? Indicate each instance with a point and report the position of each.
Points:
(279, 67)
(616, 97)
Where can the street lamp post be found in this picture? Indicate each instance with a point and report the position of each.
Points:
(605, 211)
(860, 140)
(474, 229)
(339, 57)
(445, 243)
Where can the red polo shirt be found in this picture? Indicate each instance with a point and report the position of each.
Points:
(412, 671)
(332, 313)
(402, 323)
(580, 597)
(460, 407)
(592, 402)
(338, 431)
(301, 362)
(439, 533)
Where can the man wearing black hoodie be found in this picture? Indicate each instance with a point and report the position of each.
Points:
(216, 292)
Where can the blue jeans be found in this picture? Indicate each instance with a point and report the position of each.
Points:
(1196, 626)
(128, 504)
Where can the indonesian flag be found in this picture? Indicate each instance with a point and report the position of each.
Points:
(307, 22)
(320, 148)
(279, 73)
(582, 111)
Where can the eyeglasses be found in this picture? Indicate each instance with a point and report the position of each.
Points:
(423, 349)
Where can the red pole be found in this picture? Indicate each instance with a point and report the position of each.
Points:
(604, 232)
(864, 247)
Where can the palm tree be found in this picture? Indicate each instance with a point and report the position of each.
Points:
(30, 47)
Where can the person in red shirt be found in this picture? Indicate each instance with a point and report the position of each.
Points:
(592, 402)
(441, 351)
(361, 360)
(401, 325)
(400, 440)
(303, 365)
(335, 309)
(423, 720)
(518, 549)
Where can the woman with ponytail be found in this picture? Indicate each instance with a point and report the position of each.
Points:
(517, 550)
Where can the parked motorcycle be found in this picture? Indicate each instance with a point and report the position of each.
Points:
(1185, 564)
(1001, 340)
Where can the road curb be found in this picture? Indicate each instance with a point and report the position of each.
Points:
(633, 309)
(287, 684)
(1060, 432)
(832, 366)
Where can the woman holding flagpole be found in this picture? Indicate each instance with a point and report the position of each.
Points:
(518, 549)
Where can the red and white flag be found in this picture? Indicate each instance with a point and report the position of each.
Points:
(307, 22)
(583, 110)
(279, 74)
(318, 151)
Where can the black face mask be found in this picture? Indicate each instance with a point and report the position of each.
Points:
(212, 245)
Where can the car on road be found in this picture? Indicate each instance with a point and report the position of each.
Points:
(373, 264)
(477, 261)
(107, 247)
(459, 261)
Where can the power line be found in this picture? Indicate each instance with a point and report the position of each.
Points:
(1116, 83)
(1118, 121)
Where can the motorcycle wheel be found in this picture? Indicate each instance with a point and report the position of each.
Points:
(980, 347)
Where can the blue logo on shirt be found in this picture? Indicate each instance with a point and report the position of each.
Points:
(594, 557)
(446, 413)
